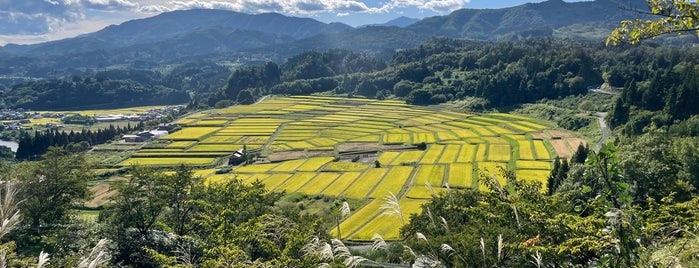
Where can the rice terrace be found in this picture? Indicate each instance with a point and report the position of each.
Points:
(361, 149)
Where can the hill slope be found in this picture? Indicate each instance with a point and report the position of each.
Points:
(541, 19)
(218, 36)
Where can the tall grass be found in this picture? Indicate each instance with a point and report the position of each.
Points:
(9, 213)
(98, 255)
(43, 259)
(392, 207)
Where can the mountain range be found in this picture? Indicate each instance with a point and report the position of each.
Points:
(219, 35)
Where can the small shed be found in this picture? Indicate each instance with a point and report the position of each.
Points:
(237, 158)
(157, 134)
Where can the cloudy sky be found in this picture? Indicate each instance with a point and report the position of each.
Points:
(33, 21)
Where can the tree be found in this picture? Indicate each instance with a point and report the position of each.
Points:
(133, 214)
(245, 97)
(558, 175)
(50, 186)
(580, 154)
(649, 163)
(181, 191)
(619, 114)
(402, 88)
(672, 16)
(419, 97)
(623, 223)
(586, 106)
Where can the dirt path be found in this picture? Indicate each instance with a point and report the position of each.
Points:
(605, 129)
(262, 99)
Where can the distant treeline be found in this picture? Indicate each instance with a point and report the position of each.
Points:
(436, 71)
(306, 73)
(118, 88)
(37, 144)
(661, 89)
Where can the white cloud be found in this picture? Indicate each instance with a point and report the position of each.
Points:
(67, 30)
(109, 4)
(302, 7)
(48, 18)
(433, 5)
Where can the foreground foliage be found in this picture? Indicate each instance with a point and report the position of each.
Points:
(670, 16)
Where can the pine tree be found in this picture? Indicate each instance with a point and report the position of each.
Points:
(581, 154)
(551, 182)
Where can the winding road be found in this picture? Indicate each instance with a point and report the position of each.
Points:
(605, 129)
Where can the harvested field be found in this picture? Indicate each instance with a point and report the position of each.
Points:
(575, 142)
(558, 133)
(561, 148)
(358, 146)
(101, 193)
(286, 155)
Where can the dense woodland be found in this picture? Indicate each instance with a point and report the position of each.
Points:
(33, 146)
(118, 88)
(632, 203)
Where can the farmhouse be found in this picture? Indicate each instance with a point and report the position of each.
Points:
(145, 136)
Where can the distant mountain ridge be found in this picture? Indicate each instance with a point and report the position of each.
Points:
(218, 35)
(485, 24)
(176, 23)
(401, 21)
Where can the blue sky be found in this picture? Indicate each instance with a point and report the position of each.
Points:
(33, 21)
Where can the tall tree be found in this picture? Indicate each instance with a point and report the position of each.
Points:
(50, 186)
(181, 191)
(133, 214)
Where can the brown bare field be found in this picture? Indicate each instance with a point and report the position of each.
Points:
(574, 142)
(287, 155)
(539, 136)
(558, 133)
(358, 146)
(100, 195)
(561, 148)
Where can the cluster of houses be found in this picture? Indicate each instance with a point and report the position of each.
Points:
(151, 114)
(9, 114)
(161, 131)
(145, 136)
(14, 119)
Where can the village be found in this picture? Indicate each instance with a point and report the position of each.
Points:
(16, 119)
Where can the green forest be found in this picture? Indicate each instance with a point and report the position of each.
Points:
(633, 202)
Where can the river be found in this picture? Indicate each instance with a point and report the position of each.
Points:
(11, 144)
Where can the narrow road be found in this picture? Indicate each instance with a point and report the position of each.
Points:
(605, 129)
(599, 90)
(262, 99)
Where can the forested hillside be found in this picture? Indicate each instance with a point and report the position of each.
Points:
(660, 90)
(501, 74)
(89, 93)
(631, 202)
(119, 88)
(226, 36)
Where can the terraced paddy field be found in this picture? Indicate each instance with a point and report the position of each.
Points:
(362, 149)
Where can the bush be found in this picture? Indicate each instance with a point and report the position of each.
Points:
(223, 104)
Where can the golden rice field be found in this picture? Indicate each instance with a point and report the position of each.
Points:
(131, 110)
(167, 161)
(328, 146)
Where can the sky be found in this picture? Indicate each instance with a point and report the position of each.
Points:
(35, 21)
